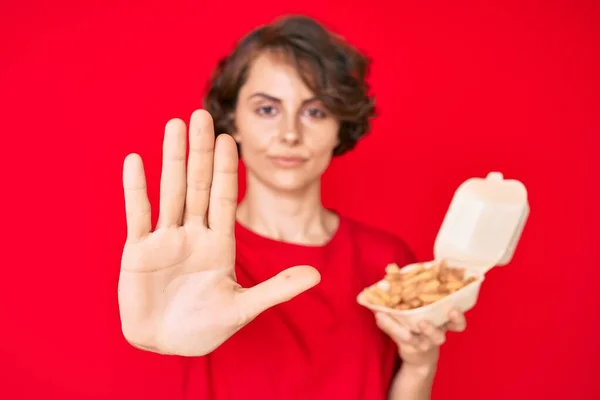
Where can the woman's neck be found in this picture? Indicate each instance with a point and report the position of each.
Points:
(295, 217)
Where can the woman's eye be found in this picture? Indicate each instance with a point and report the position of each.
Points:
(316, 113)
(268, 111)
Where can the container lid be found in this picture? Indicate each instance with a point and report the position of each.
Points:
(484, 222)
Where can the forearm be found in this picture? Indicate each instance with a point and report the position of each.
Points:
(413, 383)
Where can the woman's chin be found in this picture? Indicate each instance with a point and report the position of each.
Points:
(284, 180)
(290, 183)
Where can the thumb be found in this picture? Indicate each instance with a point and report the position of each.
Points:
(282, 287)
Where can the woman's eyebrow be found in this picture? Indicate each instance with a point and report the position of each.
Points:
(277, 100)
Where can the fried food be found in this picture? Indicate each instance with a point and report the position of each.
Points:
(418, 287)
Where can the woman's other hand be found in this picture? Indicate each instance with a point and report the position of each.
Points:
(420, 349)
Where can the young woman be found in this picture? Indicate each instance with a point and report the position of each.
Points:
(263, 294)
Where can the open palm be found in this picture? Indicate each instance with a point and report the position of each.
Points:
(177, 288)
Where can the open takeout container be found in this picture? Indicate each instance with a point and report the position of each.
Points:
(480, 230)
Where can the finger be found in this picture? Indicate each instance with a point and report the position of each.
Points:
(200, 166)
(457, 321)
(172, 181)
(278, 289)
(137, 205)
(390, 326)
(223, 193)
(433, 335)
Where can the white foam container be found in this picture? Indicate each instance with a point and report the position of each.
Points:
(480, 230)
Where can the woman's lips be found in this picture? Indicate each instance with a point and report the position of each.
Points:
(287, 162)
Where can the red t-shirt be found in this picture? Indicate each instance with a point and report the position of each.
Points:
(321, 344)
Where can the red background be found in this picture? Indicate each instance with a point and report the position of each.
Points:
(462, 89)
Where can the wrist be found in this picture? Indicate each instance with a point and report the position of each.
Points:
(419, 371)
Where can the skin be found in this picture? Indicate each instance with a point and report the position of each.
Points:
(177, 288)
(278, 116)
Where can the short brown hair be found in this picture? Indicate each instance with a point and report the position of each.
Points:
(331, 68)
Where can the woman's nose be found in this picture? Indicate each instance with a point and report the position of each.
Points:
(290, 137)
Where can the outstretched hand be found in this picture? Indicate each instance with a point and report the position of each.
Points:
(177, 289)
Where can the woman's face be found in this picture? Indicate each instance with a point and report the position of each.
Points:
(286, 135)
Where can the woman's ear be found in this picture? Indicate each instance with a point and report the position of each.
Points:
(338, 140)
(232, 128)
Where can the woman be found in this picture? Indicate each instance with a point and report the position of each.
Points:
(262, 294)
